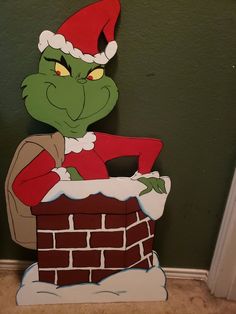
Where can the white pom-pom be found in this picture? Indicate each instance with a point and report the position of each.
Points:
(111, 49)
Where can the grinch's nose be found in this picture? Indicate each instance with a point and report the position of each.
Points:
(76, 107)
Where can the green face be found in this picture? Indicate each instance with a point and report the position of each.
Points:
(68, 93)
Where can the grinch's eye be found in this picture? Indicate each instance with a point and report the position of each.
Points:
(61, 70)
(96, 74)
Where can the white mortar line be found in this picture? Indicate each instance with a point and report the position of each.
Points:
(70, 260)
(103, 221)
(124, 240)
(71, 222)
(102, 265)
(141, 249)
(50, 231)
(149, 230)
(99, 248)
(142, 259)
(86, 249)
(54, 240)
(90, 275)
(79, 268)
(149, 262)
(137, 223)
(140, 241)
(56, 277)
(82, 230)
(137, 217)
(88, 240)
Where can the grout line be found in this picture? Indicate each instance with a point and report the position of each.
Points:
(71, 222)
(56, 277)
(103, 221)
(88, 241)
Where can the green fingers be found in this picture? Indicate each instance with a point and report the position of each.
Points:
(74, 175)
(156, 184)
(148, 184)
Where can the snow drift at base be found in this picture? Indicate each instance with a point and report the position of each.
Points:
(127, 285)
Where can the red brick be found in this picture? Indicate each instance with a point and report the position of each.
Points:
(131, 218)
(119, 221)
(143, 264)
(114, 259)
(152, 225)
(98, 275)
(106, 239)
(47, 276)
(132, 205)
(141, 215)
(136, 233)
(84, 221)
(115, 221)
(147, 246)
(132, 256)
(44, 240)
(86, 258)
(94, 204)
(71, 240)
(53, 222)
(53, 259)
(70, 277)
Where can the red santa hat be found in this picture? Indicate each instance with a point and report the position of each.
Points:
(79, 34)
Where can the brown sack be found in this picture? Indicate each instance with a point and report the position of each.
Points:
(22, 223)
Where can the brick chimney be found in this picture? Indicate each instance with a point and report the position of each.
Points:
(87, 240)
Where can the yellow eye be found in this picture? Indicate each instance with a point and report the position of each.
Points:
(96, 74)
(61, 70)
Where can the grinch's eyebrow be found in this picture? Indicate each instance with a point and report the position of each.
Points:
(61, 61)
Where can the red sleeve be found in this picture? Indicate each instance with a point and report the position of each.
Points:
(35, 180)
(112, 146)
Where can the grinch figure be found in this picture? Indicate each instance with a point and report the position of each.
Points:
(70, 92)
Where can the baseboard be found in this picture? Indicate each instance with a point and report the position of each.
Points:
(177, 273)
(10, 264)
(186, 273)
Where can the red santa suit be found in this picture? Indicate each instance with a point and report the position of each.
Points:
(88, 155)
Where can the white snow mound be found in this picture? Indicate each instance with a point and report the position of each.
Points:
(127, 285)
(121, 188)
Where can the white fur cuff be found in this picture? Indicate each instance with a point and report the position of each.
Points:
(63, 173)
(58, 41)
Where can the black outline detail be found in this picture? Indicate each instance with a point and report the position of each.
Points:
(62, 61)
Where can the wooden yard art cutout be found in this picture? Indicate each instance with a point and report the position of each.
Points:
(93, 233)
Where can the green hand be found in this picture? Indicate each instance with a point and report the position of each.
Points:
(156, 184)
(74, 175)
